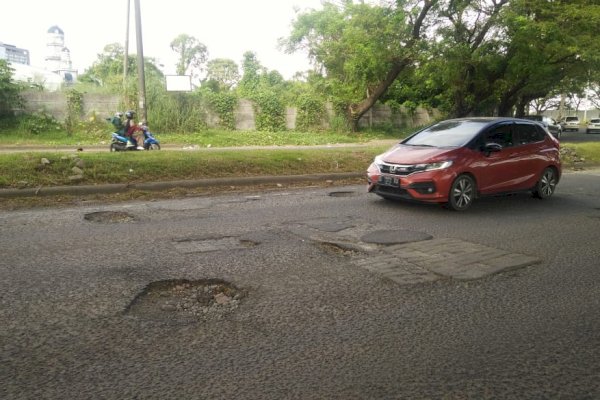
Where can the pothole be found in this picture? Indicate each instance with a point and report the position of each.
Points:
(338, 248)
(342, 194)
(109, 217)
(185, 301)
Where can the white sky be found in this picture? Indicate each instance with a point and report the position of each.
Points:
(228, 28)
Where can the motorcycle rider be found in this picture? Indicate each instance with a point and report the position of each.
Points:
(117, 123)
(132, 131)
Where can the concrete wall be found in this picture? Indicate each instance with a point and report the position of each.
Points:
(55, 103)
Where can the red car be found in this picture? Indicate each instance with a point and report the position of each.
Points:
(457, 160)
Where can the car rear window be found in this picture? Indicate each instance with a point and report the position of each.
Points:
(595, 121)
(453, 133)
(572, 119)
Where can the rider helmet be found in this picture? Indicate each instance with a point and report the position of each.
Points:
(119, 114)
(129, 114)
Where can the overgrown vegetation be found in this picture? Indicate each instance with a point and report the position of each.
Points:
(478, 57)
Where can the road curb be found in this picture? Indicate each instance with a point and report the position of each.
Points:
(199, 183)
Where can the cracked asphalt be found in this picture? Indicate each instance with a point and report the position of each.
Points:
(346, 297)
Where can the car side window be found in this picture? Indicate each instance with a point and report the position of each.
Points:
(528, 133)
(501, 134)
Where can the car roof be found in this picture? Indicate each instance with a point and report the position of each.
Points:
(493, 120)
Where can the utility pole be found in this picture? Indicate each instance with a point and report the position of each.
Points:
(140, 62)
(126, 55)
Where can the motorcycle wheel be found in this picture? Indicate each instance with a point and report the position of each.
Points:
(113, 147)
(154, 146)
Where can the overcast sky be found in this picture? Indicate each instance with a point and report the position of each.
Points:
(228, 28)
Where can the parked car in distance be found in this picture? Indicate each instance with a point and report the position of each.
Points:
(455, 161)
(569, 124)
(593, 126)
(549, 123)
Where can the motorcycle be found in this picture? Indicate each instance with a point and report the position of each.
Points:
(122, 143)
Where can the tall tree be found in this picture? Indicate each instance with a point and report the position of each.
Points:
(107, 70)
(224, 72)
(192, 54)
(361, 48)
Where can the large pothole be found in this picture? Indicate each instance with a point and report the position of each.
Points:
(182, 300)
(109, 217)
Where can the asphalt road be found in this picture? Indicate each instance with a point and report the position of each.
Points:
(93, 302)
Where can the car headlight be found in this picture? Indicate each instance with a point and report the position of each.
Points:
(432, 166)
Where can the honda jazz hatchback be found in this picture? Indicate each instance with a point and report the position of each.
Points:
(455, 161)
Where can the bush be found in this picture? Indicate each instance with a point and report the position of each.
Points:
(37, 123)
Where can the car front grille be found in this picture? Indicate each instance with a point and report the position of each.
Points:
(397, 169)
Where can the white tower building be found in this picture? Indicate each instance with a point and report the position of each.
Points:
(58, 58)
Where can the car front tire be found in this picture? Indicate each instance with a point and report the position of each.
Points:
(547, 184)
(462, 193)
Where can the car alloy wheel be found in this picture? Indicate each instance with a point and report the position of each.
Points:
(547, 184)
(462, 193)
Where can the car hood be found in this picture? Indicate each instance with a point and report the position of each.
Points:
(402, 154)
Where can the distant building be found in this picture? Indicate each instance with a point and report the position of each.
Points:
(14, 54)
(58, 58)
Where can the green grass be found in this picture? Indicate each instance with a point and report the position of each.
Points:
(212, 137)
(26, 169)
(589, 151)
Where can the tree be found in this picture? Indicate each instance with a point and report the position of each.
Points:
(495, 57)
(107, 70)
(361, 48)
(224, 72)
(192, 54)
(252, 71)
(9, 91)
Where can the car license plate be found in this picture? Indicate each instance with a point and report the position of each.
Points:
(389, 181)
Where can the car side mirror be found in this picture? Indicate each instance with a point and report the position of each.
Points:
(491, 147)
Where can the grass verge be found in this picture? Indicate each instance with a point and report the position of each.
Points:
(30, 170)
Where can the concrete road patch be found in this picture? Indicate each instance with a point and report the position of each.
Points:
(428, 260)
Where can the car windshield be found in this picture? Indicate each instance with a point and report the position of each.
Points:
(571, 119)
(595, 121)
(447, 134)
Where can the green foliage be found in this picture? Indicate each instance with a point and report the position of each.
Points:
(223, 72)
(251, 78)
(37, 123)
(224, 104)
(74, 110)
(10, 98)
(175, 111)
(266, 90)
(270, 112)
(310, 112)
(107, 72)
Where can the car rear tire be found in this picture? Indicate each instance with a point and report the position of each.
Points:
(462, 193)
(547, 184)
